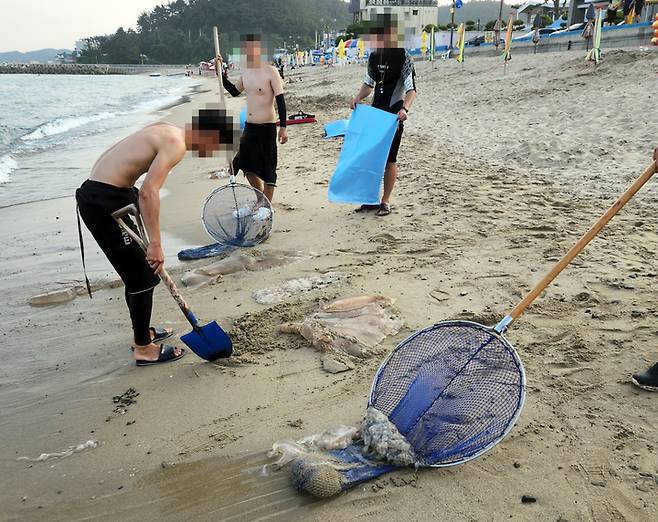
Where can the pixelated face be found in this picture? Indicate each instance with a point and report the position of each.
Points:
(384, 33)
(203, 143)
(212, 130)
(252, 50)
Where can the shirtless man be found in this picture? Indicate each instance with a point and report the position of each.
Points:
(154, 150)
(257, 156)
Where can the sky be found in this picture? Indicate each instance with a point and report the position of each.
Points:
(27, 25)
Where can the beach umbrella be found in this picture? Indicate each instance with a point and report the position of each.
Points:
(594, 55)
(629, 11)
(432, 45)
(590, 14)
(362, 49)
(460, 42)
(423, 43)
(507, 53)
(536, 25)
(497, 33)
(341, 49)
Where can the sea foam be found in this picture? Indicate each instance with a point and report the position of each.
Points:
(7, 166)
(61, 125)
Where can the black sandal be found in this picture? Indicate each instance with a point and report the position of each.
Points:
(159, 334)
(366, 208)
(384, 209)
(166, 355)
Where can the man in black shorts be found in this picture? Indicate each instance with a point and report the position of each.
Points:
(257, 156)
(392, 75)
(154, 150)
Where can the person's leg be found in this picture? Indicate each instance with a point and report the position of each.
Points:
(255, 182)
(140, 306)
(268, 190)
(390, 175)
(391, 172)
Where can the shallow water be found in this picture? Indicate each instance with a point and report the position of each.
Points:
(52, 128)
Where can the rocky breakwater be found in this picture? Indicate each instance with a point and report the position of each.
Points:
(64, 68)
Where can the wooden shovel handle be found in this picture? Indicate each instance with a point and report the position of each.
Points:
(142, 240)
(583, 242)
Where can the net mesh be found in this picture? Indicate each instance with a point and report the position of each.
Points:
(453, 390)
(237, 215)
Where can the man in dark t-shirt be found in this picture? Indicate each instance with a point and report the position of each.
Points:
(392, 76)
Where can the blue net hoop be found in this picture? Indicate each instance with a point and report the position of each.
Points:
(237, 215)
(454, 390)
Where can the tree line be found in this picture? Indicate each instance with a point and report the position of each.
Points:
(181, 31)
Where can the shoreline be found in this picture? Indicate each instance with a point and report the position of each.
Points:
(481, 211)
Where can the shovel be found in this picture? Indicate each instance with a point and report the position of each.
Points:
(209, 342)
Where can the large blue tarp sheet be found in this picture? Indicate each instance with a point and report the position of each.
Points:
(362, 160)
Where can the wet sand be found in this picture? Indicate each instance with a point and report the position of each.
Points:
(495, 184)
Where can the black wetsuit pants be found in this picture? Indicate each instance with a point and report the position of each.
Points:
(140, 306)
(96, 202)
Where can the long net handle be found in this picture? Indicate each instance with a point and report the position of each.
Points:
(582, 243)
(218, 70)
(222, 98)
(143, 242)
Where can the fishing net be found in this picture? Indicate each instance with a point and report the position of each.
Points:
(446, 395)
(452, 390)
(237, 215)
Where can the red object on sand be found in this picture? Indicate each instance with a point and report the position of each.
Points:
(300, 117)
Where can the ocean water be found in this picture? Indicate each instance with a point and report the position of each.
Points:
(52, 128)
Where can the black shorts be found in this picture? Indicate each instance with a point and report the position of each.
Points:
(258, 153)
(96, 202)
(395, 146)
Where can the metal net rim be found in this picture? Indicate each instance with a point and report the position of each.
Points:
(512, 351)
(234, 185)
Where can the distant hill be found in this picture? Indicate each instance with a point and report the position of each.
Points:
(41, 55)
(180, 31)
(485, 11)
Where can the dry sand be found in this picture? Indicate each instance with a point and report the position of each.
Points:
(499, 175)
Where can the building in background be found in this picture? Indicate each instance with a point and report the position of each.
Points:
(413, 15)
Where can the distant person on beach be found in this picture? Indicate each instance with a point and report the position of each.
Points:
(392, 75)
(611, 12)
(257, 157)
(648, 379)
(154, 150)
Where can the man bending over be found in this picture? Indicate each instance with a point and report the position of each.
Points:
(257, 156)
(154, 150)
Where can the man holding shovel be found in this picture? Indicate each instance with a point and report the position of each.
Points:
(154, 150)
(257, 156)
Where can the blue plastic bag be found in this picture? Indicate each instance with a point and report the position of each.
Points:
(337, 128)
(362, 160)
(243, 118)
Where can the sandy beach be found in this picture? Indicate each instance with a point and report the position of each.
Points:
(501, 171)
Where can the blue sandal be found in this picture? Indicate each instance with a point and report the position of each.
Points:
(166, 355)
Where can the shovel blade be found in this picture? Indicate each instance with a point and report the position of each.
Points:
(210, 342)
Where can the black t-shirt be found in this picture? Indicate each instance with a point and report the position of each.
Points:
(392, 74)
